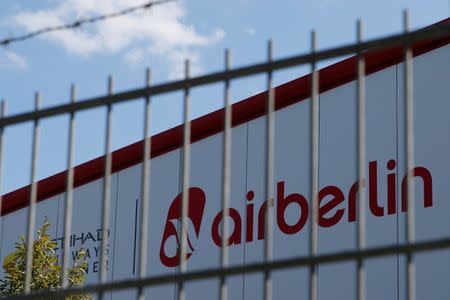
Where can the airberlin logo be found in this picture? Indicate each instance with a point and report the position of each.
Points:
(196, 206)
(329, 200)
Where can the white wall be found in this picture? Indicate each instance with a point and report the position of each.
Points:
(338, 154)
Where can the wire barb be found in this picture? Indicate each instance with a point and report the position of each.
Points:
(78, 23)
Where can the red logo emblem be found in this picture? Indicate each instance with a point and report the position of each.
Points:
(196, 206)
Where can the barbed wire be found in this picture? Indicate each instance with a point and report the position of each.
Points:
(81, 22)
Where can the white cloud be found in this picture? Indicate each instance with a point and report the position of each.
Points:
(135, 56)
(12, 60)
(250, 31)
(161, 30)
(178, 58)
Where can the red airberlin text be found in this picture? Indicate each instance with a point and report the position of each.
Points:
(329, 200)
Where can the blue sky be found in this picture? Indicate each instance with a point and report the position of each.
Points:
(160, 38)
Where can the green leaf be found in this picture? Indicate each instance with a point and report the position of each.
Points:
(46, 272)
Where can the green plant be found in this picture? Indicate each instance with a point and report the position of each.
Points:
(46, 272)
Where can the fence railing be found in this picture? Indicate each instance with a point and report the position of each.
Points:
(311, 261)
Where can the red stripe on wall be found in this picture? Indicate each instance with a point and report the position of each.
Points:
(246, 110)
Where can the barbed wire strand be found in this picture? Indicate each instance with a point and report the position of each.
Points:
(81, 22)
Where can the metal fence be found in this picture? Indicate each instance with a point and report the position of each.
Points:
(311, 261)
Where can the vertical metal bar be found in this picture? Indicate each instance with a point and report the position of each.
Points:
(32, 203)
(69, 193)
(106, 192)
(314, 169)
(409, 158)
(361, 165)
(145, 190)
(2, 131)
(185, 182)
(226, 177)
(270, 135)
